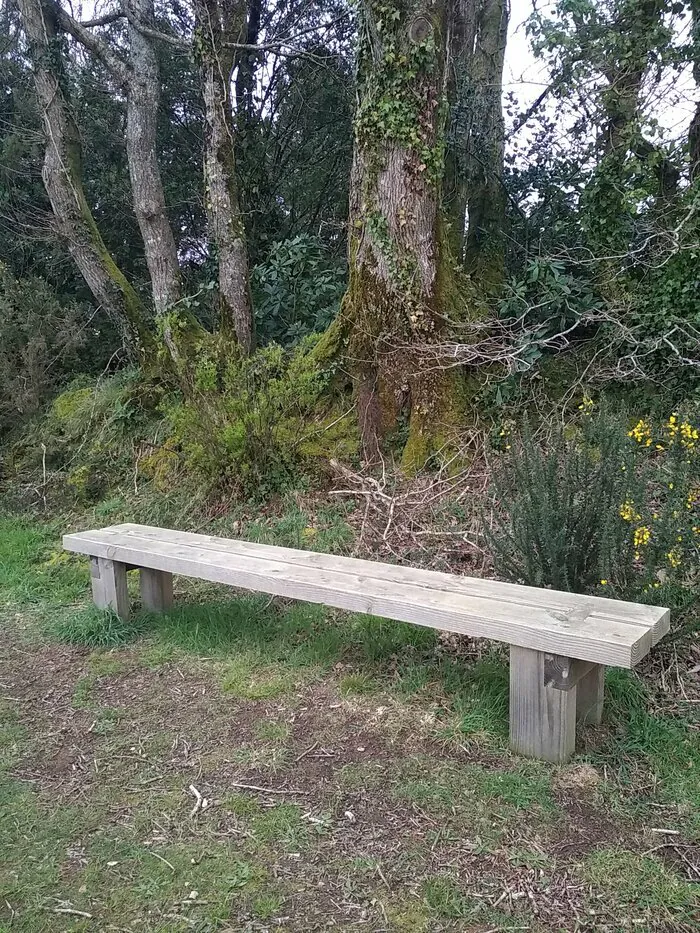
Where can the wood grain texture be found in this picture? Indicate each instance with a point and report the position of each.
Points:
(156, 588)
(572, 605)
(109, 589)
(590, 695)
(542, 718)
(564, 673)
(358, 586)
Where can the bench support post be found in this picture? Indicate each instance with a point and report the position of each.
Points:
(589, 696)
(156, 589)
(109, 589)
(542, 718)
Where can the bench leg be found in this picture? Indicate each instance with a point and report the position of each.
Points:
(542, 718)
(589, 696)
(156, 590)
(109, 589)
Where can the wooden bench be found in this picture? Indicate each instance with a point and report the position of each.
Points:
(559, 643)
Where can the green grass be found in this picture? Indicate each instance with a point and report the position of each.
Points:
(125, 848)
(34, 570)
(95, 628)
(667, 747)
(641, 881)
(282, 825)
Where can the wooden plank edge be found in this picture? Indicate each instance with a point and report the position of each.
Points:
(625, 654)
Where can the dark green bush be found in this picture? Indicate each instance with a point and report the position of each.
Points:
(40, 345)
(557, 519)
(606, 503)
(297, 290)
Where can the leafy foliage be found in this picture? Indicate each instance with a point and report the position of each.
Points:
(297, 291)
(557, 521)
(41, 342)
(252, 422)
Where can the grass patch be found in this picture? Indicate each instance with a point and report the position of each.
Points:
(282, 825)
(443, 897)
(667, 747)
(249, 678)
(271, 730)
(444, 787)
(640, 881)
(358, 684)
(95, 628)
(34, 569)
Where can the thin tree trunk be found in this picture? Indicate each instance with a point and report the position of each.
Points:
(694, 130)
(220, 22)
(486, 196)
(63, 181)
(248, 62)
(401, 286)
(143, 101)
(463, 16)
(607, 221)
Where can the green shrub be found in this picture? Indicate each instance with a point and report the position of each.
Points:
(253, 422)
(601, 505)
(40, 344)
(87, 442)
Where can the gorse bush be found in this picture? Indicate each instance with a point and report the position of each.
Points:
(601, 505)
(557, 517)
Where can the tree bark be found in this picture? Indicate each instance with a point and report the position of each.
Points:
(694, 129)
(486, 195)
(143, 101)
(401, 288)
(463, 16)
(220, 22)
(63, 180)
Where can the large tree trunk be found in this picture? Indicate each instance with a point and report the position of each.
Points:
(63, 181)
(220, 23)
(143, 100)
(401, 290)
(486, 195)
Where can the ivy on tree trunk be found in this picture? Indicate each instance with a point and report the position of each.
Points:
(402, 288)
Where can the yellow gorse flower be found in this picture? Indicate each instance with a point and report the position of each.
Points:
(641, 432)
(628, 512)
(674, 557)
(587, 405)
(689, 435)
(642, 536)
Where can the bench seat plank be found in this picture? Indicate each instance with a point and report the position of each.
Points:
(572, 605)
(589, 632)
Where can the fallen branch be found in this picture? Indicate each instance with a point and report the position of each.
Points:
(270, 790)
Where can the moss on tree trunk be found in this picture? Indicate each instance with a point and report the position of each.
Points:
(404, 287)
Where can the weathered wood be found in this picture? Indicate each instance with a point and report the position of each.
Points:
(564, 673)
(573, 606)
(588, 637)
(542, 718)
(109, 589)
(589, 696)
(156, 590)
